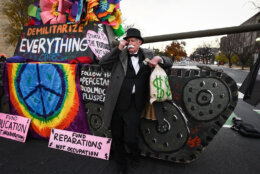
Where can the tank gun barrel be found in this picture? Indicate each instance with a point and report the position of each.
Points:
(200, 33)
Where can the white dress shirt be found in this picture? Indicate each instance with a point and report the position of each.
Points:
(135, 63)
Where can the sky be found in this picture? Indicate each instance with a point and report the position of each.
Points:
(158, 17)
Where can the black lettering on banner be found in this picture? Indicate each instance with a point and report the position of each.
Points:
(55, 136)
(61, 137)
(66, 138)
(74, 141)
(11, 117)
(77, 139)
(109, 140)
(82, 152)
(60, 147)
(12, 125)
(99, 145)
(13, 134)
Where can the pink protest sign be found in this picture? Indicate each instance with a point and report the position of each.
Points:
(98, 43)
(79, 143)
(14, 127)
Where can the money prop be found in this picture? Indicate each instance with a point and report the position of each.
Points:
(159, 86)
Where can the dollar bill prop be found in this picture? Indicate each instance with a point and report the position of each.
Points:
(159, 86)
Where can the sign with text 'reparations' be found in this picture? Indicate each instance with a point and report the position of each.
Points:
(63, 42)
(14, 127)
(79, 143)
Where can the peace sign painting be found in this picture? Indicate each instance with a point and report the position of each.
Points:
(48, 94)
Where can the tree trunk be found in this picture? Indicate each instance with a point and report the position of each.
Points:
(229, 61)
(230, 64)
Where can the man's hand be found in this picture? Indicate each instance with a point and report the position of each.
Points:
(122, 44)
(154, 61)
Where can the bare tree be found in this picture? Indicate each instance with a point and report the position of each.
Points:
(238, 47)
(255, 4)
(227, 47)
(205, 52)
(245, 56)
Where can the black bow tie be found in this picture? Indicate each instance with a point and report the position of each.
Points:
(135, 55)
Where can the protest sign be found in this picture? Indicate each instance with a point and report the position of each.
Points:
(98, 43)
(14, 127)
(79, 143)
(94, 82)
(63, 42)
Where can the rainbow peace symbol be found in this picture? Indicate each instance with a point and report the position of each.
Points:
(45, 93)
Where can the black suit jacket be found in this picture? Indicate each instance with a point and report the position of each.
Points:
(141, 82)
(117, 61)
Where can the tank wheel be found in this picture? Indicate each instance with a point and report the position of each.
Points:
(205, 98)
(168, 136)
(95, 119)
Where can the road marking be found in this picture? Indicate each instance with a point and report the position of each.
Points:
(257, 111)
(240, 95)
(227, 126)
(229, 122)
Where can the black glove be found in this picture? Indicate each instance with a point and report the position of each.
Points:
(245, 129)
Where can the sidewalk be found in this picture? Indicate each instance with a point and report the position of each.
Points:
(233, 67)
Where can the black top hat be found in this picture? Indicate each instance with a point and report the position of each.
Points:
(133, 32)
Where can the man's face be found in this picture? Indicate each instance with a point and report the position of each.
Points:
(133, 45)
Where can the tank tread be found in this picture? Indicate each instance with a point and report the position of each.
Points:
(202, 102)
(206, 98)
(94, 109)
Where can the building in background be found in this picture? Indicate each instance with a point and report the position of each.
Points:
(243, 44)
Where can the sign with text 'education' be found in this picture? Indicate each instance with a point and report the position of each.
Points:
(14, 127)
(79, 143)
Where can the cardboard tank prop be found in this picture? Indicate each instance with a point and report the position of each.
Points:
(203, 98)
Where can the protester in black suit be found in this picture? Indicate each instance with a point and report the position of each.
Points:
(251, 85)
(128, 91)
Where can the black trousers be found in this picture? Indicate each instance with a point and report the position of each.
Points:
(124, 128)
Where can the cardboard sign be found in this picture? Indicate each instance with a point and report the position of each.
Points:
(79, 143)
(98, 43)
(14, 127)
(94, 82)
(62, 42)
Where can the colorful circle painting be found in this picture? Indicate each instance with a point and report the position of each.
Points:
(45, 93)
